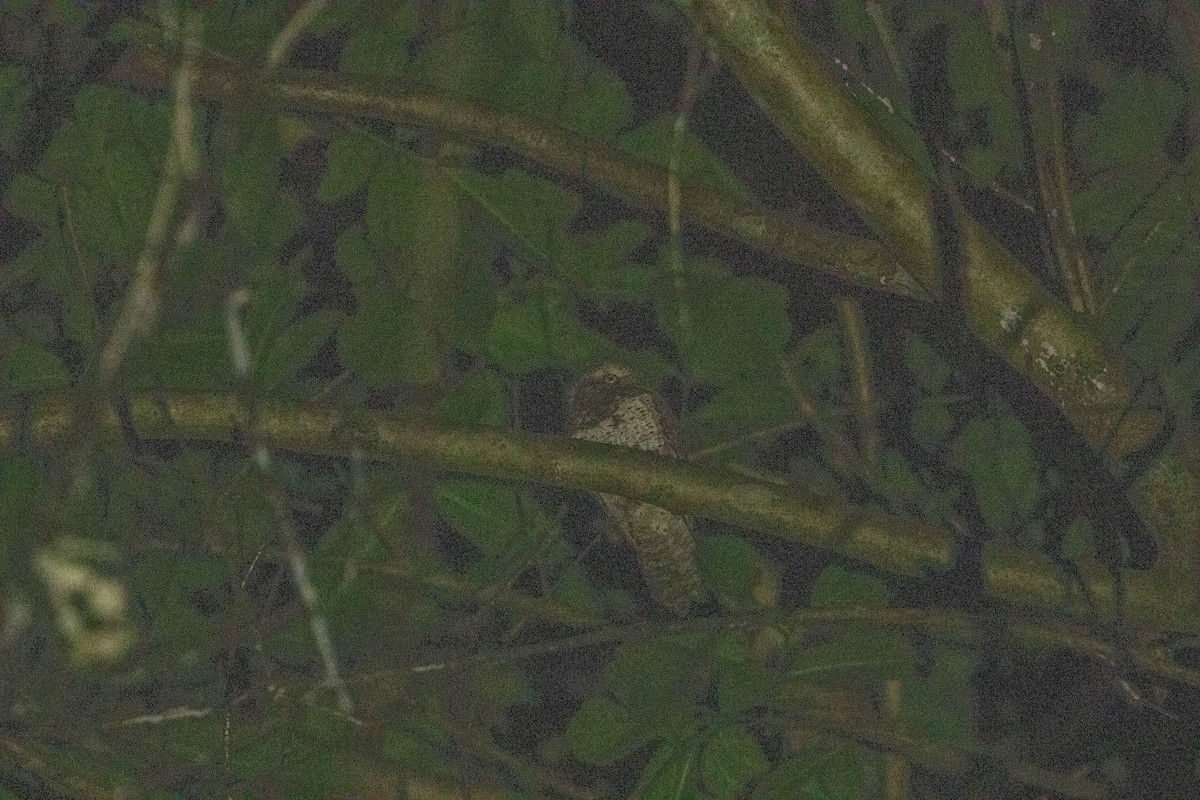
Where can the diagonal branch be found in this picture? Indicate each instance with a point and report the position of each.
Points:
(598, 164)
(1039, 337)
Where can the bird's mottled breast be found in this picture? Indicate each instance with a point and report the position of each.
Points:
(609, 405)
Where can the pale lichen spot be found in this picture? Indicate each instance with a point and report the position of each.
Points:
(1009, 318)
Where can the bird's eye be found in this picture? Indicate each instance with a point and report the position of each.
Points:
(610, 378)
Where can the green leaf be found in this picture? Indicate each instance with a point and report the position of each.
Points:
(668, 775)
(392, 212)
(927, 365)
(939, 706)
(532, 213)
(538, 332)
(478, 399)
(22, 495)
(107, 154)
(1079, 541)
(597, 102)
(838, 587)
(293, 348)
(718, 345)
(379, 46)
(487, 514)
(15, 93)
(1140, 108)
(659, 680)
(744, 683)
(533, 86)
(738, 410)
(732, 758)
(489, 42)
(573, 589)
(737, 573)
(653, 142)
(373, 342)
(188, 354)
(169, 586)
(600, 259)
(351, 161)
(830, 774)
(259, 209)
(997, 455)
(33, 200)
(376, 343)
(932, 425)
(601, 731)
(29, 368)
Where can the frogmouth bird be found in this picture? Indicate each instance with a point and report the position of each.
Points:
(610, 404)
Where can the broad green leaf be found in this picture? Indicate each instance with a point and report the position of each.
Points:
(418, 744)
(246, 30)
(1139, 109)
(393, 211)
(669, 775)
(659, 680)
(573, 589)
(837, 773)
(997, 455)
(32, 200)
(738, 410)
(533, 213)
(373, 342)
(600, 260)
(939, 706)
(29, 368)
(274, 295)
(293, 348)
(597, 103)
(23, 493)
(731, 759)
(487, 514)
(719, 345)
(376, 342)
(379, 44)
(352, 158)
(743, 684)
(926, 364)
(538, 332)
(478, 399)
(259, 208)
(476, 296)
(932, 424)
(838, 587)
(653, 142)
(737, 573)
(601, 731)
(188, 354)
(170, 588)
(487, 44)
(534, 86)
(15, 93)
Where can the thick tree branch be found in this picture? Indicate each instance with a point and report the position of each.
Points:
(896, 545)
(1007, 309)
(597, 164)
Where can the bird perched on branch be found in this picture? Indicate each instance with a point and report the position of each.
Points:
(611, 405)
